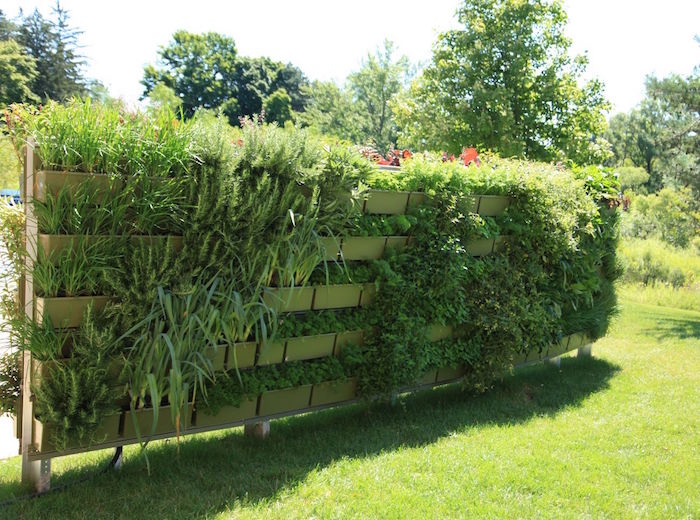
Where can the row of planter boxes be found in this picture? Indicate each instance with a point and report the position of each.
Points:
(349, 248)
(362, 248)
(567, 343)
(382, 202)
(118, 429)
(67, 312)
(378, 202)
(339, 296)
(249, 354)
(55, 244)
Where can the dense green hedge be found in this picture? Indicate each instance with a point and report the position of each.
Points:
(253, 205)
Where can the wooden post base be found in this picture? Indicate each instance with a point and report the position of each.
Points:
(258, 430)
(37, 473)
(585, 351)
(118, 459)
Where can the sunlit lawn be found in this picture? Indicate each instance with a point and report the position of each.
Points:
(613, 436)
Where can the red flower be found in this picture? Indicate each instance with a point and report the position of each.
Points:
(470, 155)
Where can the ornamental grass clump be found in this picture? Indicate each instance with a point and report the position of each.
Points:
(91, 137)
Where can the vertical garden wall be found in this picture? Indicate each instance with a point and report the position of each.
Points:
(184, 276)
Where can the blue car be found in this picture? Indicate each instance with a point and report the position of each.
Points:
(11, 194)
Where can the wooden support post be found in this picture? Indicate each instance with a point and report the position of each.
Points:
(556, 361)
(259, 430)
(585, 351)
(118, 459)
(35, 472)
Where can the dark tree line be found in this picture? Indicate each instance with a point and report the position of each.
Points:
(40, 58)
(205, 71)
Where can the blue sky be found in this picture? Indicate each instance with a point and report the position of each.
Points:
(625, 39)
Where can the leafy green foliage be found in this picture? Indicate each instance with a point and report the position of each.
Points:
(10, 382)
(253, 206)
(669, 215)
(230, 391)
(52, 45)
(205, 71)
(74, 396)
(505, 82)
(653, 262)
(89, 137)
(661, 133)
(17, 70)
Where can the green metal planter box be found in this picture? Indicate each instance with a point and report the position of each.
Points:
(67, 312)
(310, 347)
(397, 243)
(144, 418)
(228, 414)
(438, 332)
(363, 248)
(51, 182)
(428, 378)
(416, 198)
(107, 431)
(287, 400)
(578, 340)
(332, 248)
(289, 299)
(350, 337)
(271, 353)
(242, 355)
(55, 244)
(492, 205)
(217, 356)
(473, 202)
(499, 243)
(337, 296)
(333, 392)
(480, 247)
(369, 292)
(558, 349)
(449, 373)
(380, 202)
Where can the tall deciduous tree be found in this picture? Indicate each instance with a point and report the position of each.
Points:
(662, 133)
(205, 71)
(17, 71)
(332, 111)
(200, 68)
(506, 82)
(374, 87)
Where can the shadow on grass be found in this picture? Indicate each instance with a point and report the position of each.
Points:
(681, 328)
(222, 471)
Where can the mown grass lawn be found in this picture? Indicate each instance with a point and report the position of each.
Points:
(613, 436)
